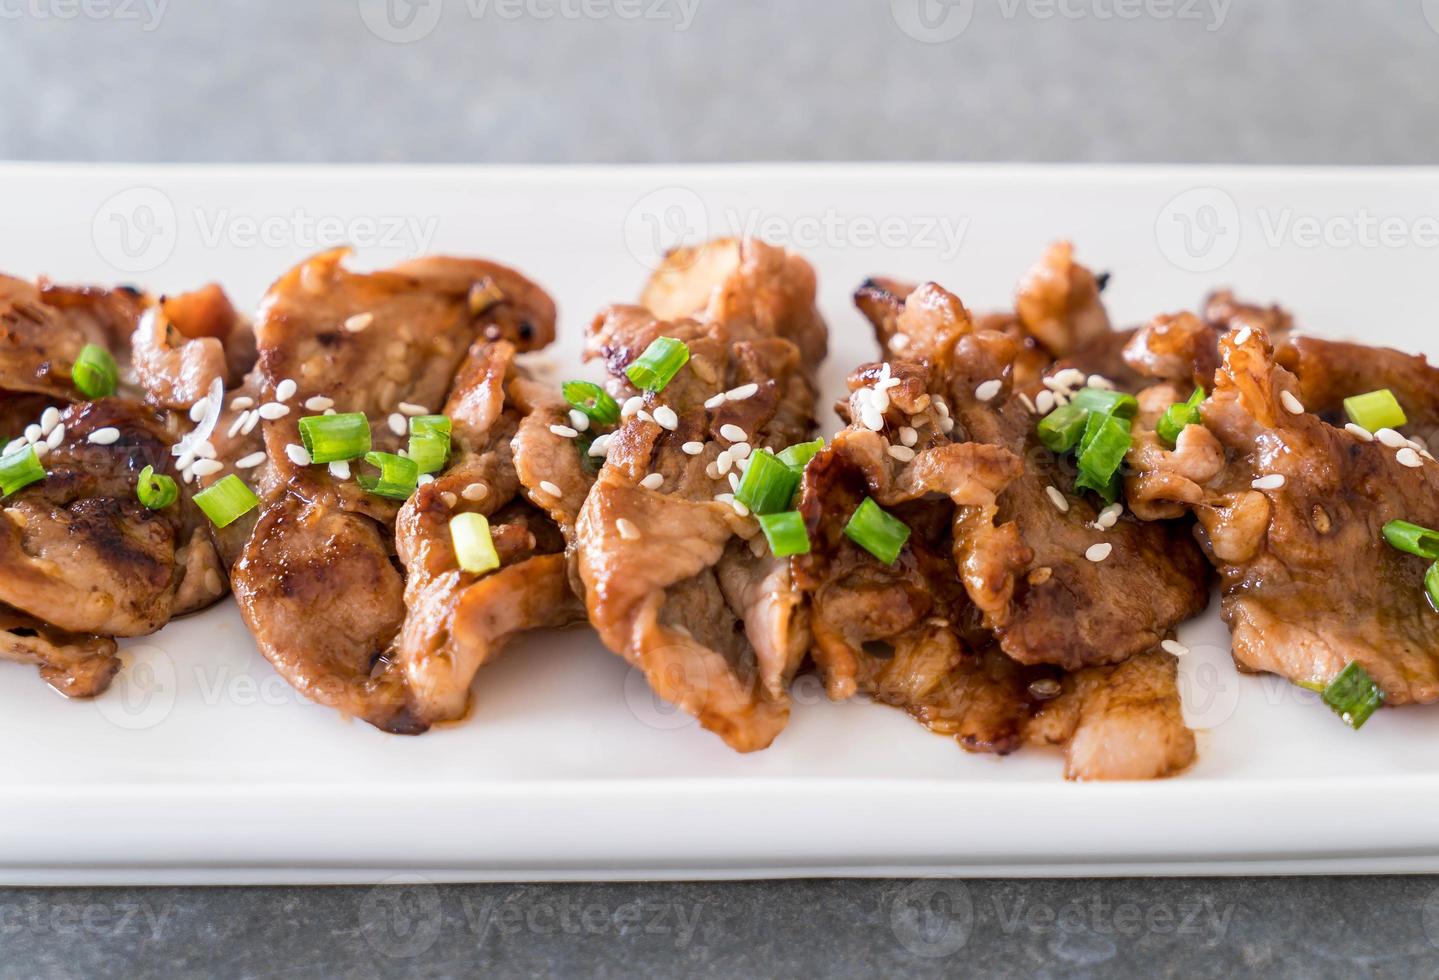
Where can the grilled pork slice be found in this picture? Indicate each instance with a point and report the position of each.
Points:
(317, 580)
(676, 575)
(43, 328)
(1056, 585)
(1330, 371)
(1291, 511)
(78, 666)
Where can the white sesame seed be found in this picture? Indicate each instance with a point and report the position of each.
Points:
(241, 402)
(632, 405)
(397, 423)
(716, 401)
(942, 407)
(1059, 500)
(1359, 432)
(551, 489)
(627, 529)
(723, 462)
(40, 449)
(33, 433)
(653, 482)
(644, 416)
(579, 421)
(1273, 481)
(733, 433)
(1044, 402)
(49, 419)
(712, 471)
(988, 390)
(57, 436)
(1242, 337)
(449, 498)
(693, 448)
(185, 461)
(902, 453)
(1071, 378)
(198, 410)
(478, 491)
(564, 431)
(1101, 382)
(734, 482)
(285, 390)
(107, 436)
(739, 508)
(1291, 404)
(1391, 438)
(251, 420)
(872, 418)
(1174, 648)
(1109, 516)
(907, 435)
(359, 322)
(424, 478)
(879, 398)
(251, 461)
(742, 392)
(1028, 403)
(1408, 457)
(740, 451)
(887, 384)
(1097, 553)
(340, 469)
(298, 454)
(15, 445)
(270, 411)
(667, 418)
(410, 408)
(600, 446)
(205, 449)
(319, 403)
(207, 467)
(946, 426)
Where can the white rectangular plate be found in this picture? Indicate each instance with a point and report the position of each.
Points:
(201, 765)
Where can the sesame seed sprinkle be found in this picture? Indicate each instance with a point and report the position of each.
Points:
(449, 498)
(579, 421)
(693, 448)
(251, 461)
(1174, 647)
(742, 392)
(1359, 432)
(1059, 500)
(270, 411)
(1408, 457)
(1101, 382)
(207, 467)
(197, 410)
(902, 453)
(410, 408)
(57, 436)
(1028, 403)
(359, 322)
(907, 435)
(1242, 337)
(653, 482)
(32, 433)
(1109, 516)
(319, 403)
(987, 391)
(716, 401)
(1291, 404)
(107, 436)
(632, 405)
(667, 418)
(298, 454)
(734, 482)
(1391, 438)
(241, 402)
(740, 451)
(340, 469)
(551, 489)
(1044, 402)
(733, 433)
(251, 420)
(477, 491)
(424, 478)
(285, 390)
(564, 431)
(397, 423)
(1273, 481)
(49, 419)
(1099, 552)
(627, 529)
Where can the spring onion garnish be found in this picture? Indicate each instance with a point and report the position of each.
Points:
(877, 531)
(333, 438)
(1060, 429)
(658, 365)
(1413, 539)
(156, 490)
(785, 533)
(95, 373)
(1101, 453)
(798, 456)
(1106, 402)
(1179, 417)
(430, 442)
(1431, 585)
(474, 547)
(1376, 410)
(768, 484)
(19, 469)
(398, 476)
(594, 401)
(1353, 695)
(226, 501)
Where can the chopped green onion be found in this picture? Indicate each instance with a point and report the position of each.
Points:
(1412, 538)
(658, 365)
(768, 484)
(227, 501)
(594, 401)
(1060, 429)
(1353, 695)
(156, 490)
(798, 456)
(398, 476)
(474, 547)
(785, 533)
(19, 469)
(1431, 585)
(332, 438)
(1101, 454)
(1376, 410)
(877, 531)
(1179, 417)
(95, 373)
(430, 442)
(1106, 402)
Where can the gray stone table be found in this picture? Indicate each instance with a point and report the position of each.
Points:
(1244, 81)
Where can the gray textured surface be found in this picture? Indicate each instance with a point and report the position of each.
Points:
(1305, 81)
